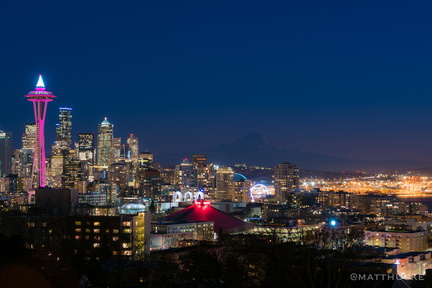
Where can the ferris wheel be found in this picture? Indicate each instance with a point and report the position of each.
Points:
(259, 191)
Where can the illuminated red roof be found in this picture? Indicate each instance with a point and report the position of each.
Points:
(223, 222)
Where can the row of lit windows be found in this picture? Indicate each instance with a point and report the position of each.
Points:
(97, 230)
(78, 223)
(96, 238)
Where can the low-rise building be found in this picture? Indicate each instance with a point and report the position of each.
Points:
(168, 234)
(411, 263)
(407, 241)
(127, 236)
(284, 233)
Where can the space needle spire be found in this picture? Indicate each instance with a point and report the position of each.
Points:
(40, 98)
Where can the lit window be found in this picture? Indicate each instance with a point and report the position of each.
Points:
(78, 223)
(96, 230)
(96, 223)
(96, 245)
(127, 252)
(126, 223)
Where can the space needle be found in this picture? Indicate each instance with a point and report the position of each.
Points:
(40, 98)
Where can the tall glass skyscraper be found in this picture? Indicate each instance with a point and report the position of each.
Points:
(105, 143)
(86, 147)
(132, 150)
(5, 153)
(286, 179)
(64, 129)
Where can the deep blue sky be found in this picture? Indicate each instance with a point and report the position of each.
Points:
(344, 78)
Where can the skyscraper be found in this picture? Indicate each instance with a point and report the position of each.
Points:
(105, 142)
(5, 153)
(23, 158)
(145, 161)
(286, 179)
(40, 98)
(186, 174)
(199, 160)
(224, 183)
(132, 150)
(63, 130)
(69, 177)
(86, 147)
(29, 136)
(117, 150)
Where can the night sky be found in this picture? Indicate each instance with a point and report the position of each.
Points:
(343, 78)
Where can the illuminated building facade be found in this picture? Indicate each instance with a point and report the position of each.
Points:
(29, 136)
(205, 174)
(240, 193)
(206, 178)
(286, 179)
(132, 148)
(86, 147)
(63, 131)
(407, 241)
(145, 161)
(382, 205)
(411, 264)
(150, 184)
(56, 170)
(125, 236)
(94, 237)
(117, 150)
(200, 160)
(119, 173)
(70, 175)
(284, 233)
(169, 234)
(5, 153)
(105, 142)
(186, 174)
(339, 199)
(224, 184)
(40, 98)
(22, 159)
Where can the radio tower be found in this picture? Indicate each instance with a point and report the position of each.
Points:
(40, 98)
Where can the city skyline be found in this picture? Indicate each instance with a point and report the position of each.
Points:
(216, 144)
(342, 79)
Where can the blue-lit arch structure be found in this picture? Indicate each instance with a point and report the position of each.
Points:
(239, 177)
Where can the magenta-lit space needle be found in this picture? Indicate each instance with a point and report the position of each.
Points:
(40, 98)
